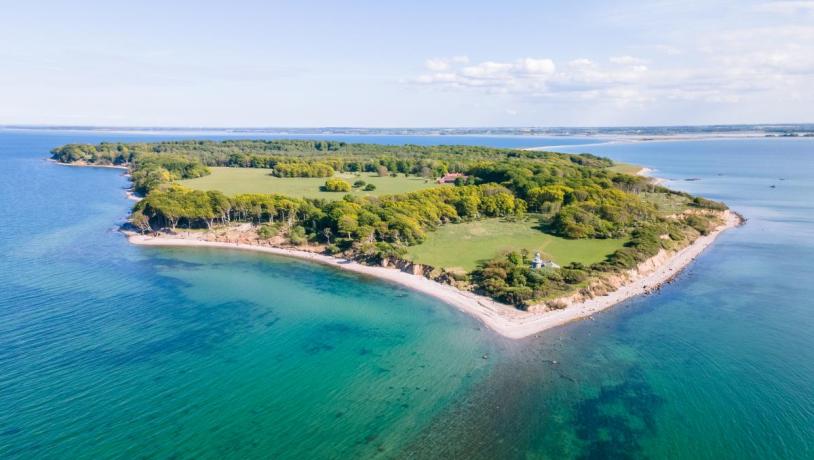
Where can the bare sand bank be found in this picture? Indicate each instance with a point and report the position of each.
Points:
(82, 164)
(503, 319)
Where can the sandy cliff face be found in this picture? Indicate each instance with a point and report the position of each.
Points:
(608, 283)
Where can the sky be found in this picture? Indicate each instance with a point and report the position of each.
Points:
(405, 64)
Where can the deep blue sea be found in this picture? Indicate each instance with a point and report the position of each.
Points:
(113, 351)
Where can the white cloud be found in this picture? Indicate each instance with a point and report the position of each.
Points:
(540, 77)
(785, 7)
(720, 67)
(442, 64)
(538, 66)
(436, 64)
(488, 70)
(626, 60)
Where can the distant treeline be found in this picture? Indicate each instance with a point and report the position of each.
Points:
(299, 158)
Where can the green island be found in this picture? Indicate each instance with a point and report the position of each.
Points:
(525, 228)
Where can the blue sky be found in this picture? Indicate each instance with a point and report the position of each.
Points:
(525, 63)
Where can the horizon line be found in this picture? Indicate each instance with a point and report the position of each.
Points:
(405, 128)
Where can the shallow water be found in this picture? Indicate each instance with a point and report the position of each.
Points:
(109, 350)
(719, 364)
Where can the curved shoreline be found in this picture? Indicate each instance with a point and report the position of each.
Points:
(503, 319)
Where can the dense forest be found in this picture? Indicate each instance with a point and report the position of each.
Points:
(580, 196)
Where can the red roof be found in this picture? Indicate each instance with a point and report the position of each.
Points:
(449, 177)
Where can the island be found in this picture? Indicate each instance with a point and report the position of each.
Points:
(524, 240)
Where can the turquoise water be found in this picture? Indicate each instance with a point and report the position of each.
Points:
(113, 351)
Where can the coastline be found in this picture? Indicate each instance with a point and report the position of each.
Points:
(502, 319)
(129, 192)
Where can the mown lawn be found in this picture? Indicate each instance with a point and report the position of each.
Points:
(232, 181)
(463, 246)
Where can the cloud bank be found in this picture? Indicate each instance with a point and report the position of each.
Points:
(717, 68)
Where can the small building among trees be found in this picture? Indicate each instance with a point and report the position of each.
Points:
(450, 178)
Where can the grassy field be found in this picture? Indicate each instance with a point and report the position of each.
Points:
(626, 168)
(255, 180)
(463, 246)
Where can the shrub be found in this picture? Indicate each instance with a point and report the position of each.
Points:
(370, 187)
(297, 235)
(556, 304)
(336, 185)
(704, 203)
(699, 223)
(359, 183)
(267, 231)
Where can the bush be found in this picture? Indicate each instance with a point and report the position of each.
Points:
(336, 185)
(370, 187)
(297, 235)
(459, 276)
(556, 304)
(704, 203)
(359, 183)
(267, 231)
(699, 223)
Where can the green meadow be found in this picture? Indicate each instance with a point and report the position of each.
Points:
(233, 181)
(463, 246)
(625, 168)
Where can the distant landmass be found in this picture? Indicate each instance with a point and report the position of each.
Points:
(641, 132)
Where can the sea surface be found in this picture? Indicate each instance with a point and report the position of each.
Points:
(113, 351)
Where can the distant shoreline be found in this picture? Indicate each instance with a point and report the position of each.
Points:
(503, 319)
(129, 192)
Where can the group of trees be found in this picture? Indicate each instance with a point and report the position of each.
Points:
(301, 169)
(396, 220)
(510, 279)
(151, 171)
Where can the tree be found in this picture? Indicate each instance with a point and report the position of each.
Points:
(328, 233)
(381, 170)
(140, 221)
(348, 224)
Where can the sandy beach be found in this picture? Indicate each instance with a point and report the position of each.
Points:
(503, 319)
(82, 164)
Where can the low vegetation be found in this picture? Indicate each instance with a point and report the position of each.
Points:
(336, 185)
